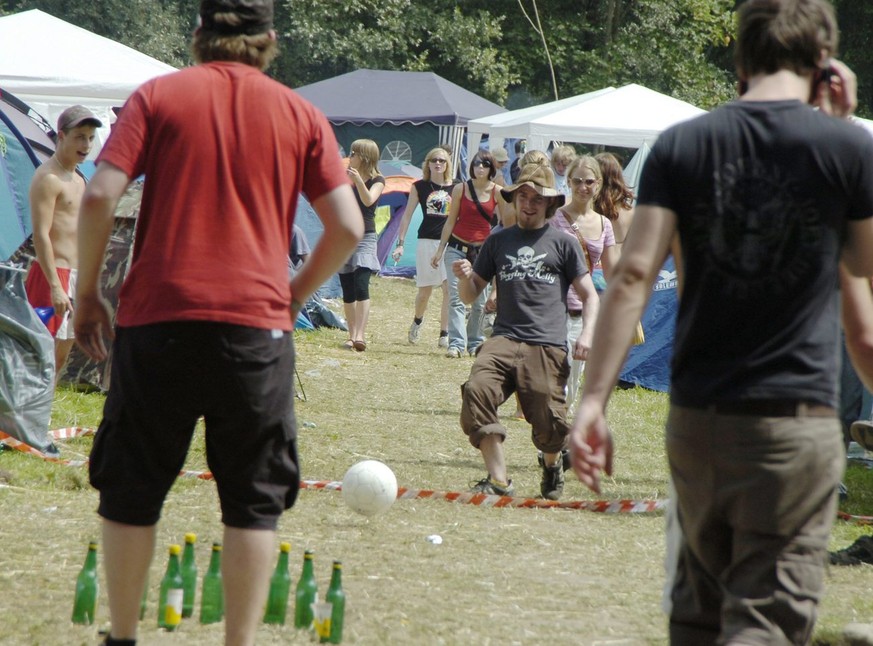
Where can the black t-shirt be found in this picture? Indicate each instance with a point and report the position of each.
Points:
(369, 212)
(534, 269)
(435, 201)
(762, 192)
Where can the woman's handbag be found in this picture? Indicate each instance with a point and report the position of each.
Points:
(639, 333)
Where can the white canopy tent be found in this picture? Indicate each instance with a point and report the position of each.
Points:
(514, 123)
(629, 116)
(50, 65)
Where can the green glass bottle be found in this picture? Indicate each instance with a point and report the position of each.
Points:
(280, 584)
(212, 595)
(307, 593)
(85, 601)
(337, 598)
(172, 593)
(189, 575)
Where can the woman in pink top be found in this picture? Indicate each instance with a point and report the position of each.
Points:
(579, 219)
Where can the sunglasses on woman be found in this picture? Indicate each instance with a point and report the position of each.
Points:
(589, 182)
(438, 161)
(482, 164)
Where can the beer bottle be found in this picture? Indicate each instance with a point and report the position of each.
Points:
(307, 593)
(280, 584)
(172, 593)
(337, 598)
(189, 575)
(85, 601)
(212, 597)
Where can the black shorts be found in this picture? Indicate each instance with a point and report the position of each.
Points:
(164, 378)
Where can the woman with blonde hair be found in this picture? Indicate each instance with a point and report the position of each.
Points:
(433, 192)
(615, 200)
(562, 157)
(355, 275)
(580, 219)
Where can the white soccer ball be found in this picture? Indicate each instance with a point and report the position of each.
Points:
(369, 487)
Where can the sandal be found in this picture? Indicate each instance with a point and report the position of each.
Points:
(349, 344)
(360, 346)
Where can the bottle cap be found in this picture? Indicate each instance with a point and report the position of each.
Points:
(308, 554)
(216, 547)
(92, 545)
(175, 549)
(285, 547)
(338, 564)
(190, 537)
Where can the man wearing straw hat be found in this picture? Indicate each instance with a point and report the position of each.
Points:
(534, 265)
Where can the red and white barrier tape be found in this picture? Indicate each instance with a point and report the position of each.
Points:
(484, 500)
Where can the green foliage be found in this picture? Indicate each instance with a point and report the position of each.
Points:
(324, 39)
(158, 28)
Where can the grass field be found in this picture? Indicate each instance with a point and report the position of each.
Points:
(501, 576)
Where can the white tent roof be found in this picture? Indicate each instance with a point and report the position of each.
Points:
(514, 123)
(51, 65)
(630, 116)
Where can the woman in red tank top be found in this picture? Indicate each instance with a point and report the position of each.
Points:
(470, 218)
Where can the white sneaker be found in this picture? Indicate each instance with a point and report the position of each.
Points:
(443, 342)
(414, 333)
(453, 353)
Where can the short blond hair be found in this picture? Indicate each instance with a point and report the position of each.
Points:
(368, 151)
(256, 50)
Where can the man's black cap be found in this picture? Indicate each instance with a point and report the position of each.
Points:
(235, 17)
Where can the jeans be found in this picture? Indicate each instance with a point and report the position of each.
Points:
(465, 334)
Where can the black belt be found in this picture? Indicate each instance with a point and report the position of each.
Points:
(771, 408)
(574, 314)
(461, 246)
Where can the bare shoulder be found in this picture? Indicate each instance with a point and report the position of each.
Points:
(45, 180)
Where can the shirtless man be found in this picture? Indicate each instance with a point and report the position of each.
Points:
(55, 194)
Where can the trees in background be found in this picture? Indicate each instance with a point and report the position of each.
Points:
(495, 49)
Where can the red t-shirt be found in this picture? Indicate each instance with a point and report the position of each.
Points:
(225, 151)
(471, 225)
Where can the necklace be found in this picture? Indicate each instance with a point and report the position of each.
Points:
(63, 168)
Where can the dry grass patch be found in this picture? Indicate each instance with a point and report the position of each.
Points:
(501, 576)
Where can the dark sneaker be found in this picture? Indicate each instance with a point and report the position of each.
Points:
(489, 487)
(842, 492)
(565, 459)
(862, 432)
(552, 484)
(861, 551)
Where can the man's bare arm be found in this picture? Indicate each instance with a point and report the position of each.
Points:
(470, 284)
(92, 322)
(645, 250)
(343, 228)
(44, 192)
(857, 314)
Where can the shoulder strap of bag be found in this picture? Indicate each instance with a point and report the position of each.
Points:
(579, 237)
(476, 201)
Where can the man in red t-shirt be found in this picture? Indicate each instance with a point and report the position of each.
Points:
(206, 312)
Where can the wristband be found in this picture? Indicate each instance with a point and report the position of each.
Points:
(400, 243)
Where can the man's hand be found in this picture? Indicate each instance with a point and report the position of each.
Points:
(436, 259)
(590, 445)
(61, 302)
(582, 346)
(91, 325)
(462, 269)
(838, 95)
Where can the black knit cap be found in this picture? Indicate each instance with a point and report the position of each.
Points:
(235, 17)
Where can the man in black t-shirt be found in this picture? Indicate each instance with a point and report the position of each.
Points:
(760, 199)
(534, 265)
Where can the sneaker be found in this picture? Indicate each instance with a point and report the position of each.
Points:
(443, 342)
(453, 353)
(488, 486)
(414, 333)
(565, 459)
(842, 492)
(862, 433)
(552, 484)
(861, 551)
